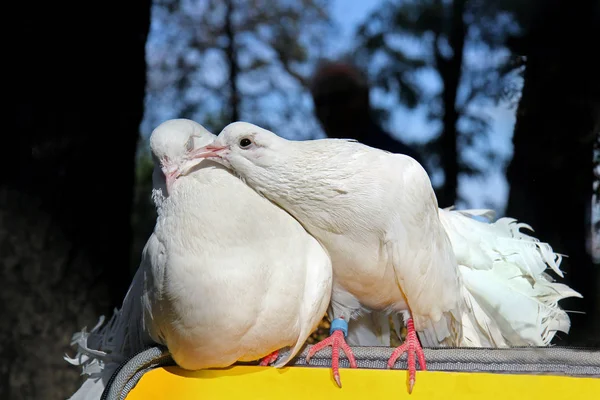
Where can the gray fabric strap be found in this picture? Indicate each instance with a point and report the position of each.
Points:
(129, 373)
(541, 360)
(524, 360)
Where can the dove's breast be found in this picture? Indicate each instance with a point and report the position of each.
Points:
(235, 273)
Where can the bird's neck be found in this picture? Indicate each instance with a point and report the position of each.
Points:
(301, 187)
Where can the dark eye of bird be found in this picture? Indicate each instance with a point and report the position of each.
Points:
(245, 142)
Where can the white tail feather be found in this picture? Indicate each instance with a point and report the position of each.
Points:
(444, 332)
(509, 299)
(507, 303)
(101, 350)
(93, 387)
(479, 245)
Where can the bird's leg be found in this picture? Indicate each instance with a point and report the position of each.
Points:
(271, 358)
(412, 346)
(337, 332)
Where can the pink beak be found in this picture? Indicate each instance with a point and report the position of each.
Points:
(208, 151)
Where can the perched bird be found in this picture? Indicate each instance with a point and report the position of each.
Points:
(226, 275)
(390, 244)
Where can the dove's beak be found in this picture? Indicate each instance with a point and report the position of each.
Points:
(208, 151)
(194, 157)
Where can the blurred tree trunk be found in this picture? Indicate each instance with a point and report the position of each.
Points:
(551, 173)
(450, 70)
(75, 86)
(232, 62)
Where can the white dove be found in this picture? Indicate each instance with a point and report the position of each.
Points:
(226, 276)
(377, 215)
(229, 276)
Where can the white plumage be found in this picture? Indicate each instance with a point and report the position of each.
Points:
(511, 300)
(378, 226)
(226, 275)
(104, 348)
(394, 250)
(372, 329)
(231, 277)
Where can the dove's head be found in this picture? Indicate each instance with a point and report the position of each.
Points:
(242, 147)
(172, 142)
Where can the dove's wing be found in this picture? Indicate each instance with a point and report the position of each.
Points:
(317, 293)
(422, 257)
(153, 268)
(102, 350)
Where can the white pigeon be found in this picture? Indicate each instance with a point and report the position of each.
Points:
(377, 215)
(226, 276)
(229, 276)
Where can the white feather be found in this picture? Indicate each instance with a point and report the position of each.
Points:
(510, 300)
(524, 314)
(100, 351)
(479, 245)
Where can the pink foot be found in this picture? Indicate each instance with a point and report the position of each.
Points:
(336, 341)
(412, 346)
(269, 359)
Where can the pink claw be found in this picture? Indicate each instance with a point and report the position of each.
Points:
(336, 341)
(412, 346)
(269, 359)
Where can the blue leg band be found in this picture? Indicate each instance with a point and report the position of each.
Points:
(339, 324)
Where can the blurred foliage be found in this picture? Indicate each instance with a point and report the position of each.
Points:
(235, 59)
(466, 56)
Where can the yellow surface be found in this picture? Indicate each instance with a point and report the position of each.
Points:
(253, 382)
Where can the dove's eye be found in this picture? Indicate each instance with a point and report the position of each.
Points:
(245, 143)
